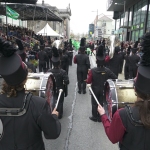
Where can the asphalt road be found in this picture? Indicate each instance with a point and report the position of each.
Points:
(78, 131)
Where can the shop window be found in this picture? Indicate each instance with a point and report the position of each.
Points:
(136, 35)
(141, 32)
(133, 32)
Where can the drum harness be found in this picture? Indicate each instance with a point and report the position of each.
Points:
(131, 118)
(14, 112)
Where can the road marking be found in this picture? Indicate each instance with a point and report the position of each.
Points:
(71, 118)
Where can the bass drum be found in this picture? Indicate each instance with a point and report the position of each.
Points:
(42, 85)
(117, 94)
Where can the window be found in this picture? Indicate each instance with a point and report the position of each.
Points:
(130, 16)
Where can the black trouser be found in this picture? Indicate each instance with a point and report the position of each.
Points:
(70, 59)
(126, 72)
(65, 67)
(132, 72)
(81, 76)
(121, 66)
(42, 66)
(47, 64)
(51, 63)
(99, 96)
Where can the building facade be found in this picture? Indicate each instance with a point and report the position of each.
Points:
(62, 28)
(132, 18)
(104, 26)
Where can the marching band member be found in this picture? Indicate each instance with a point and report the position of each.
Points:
(130, 126)
(83, 64)
(61, 79)
(23, 116)
(97, 77)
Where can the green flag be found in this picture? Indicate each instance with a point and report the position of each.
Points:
(11, 13)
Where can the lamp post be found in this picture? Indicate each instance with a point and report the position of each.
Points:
(124, 9)
(96, 17)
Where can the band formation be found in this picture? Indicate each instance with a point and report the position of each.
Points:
(36, 83)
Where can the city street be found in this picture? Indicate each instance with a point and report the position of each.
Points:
(78, 131)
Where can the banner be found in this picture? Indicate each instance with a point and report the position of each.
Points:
(11, 13)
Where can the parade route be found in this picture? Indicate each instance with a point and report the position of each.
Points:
(78, 131)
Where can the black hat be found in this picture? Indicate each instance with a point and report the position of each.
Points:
(142, 81)
(20, 50)
(83, 41)
(134, 50)
(12, 69)
(100, 55)
(70, 43)
(82, 44)
(117, 49)
(55, 55)
(65, 44)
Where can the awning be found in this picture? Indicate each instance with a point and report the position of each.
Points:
(20, 1)
(26, 12)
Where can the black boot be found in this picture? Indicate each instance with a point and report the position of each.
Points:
(93, 119)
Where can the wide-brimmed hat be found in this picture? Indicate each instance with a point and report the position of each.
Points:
(12, 69)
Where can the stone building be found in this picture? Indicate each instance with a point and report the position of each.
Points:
(62, 28)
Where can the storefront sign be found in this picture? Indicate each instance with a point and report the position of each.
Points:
(134, 27)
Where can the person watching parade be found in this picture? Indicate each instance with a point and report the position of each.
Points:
(97, 76)
(23, 116)
(130, 126)
(42, 56)
(62, 79)
(133, 63)
(83, 65)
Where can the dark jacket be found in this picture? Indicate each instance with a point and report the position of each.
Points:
(25, 132)
(133, 60)
(83, 62)
(114, 64)
(60, 76)
(42, 56)
(136, 136)
(99, 77)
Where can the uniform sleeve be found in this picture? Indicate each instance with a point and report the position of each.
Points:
(88, 62)
(115, 129)
(89, 79)
(48, 123)
(111, 75)
(75, 59)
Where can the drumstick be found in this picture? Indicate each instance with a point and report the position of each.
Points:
(125, 103)
(89, 86)
(60, 91)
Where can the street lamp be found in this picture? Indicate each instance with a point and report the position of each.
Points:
(124, 4)
(96, 17)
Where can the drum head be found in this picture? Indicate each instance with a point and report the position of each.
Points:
(50, 91)
(43, 85)
(110, 97)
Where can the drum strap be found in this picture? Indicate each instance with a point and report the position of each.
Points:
(130, 116)
(11, 112)
(17, 111)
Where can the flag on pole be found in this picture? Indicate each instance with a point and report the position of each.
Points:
(11, 13)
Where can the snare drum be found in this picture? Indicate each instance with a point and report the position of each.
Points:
(117, 94)
(42, 85)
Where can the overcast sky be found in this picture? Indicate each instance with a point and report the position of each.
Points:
(82, 14)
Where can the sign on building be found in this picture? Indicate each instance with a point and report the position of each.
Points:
(91, 29)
